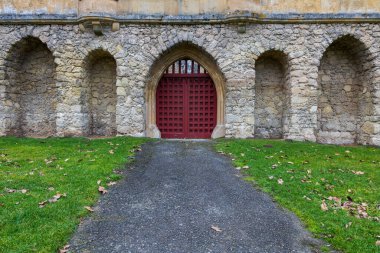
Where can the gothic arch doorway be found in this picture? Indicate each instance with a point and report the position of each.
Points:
(184, 51)
(186, 101)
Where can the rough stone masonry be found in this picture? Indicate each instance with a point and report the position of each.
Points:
(314, 78)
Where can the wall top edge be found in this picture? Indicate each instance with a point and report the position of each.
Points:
(205, 18)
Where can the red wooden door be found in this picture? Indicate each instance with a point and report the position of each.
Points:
(186, 102)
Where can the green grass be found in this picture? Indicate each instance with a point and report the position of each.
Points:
(45, 167)
(312, 173)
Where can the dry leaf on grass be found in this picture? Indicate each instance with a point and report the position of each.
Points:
(111, 152)
(111, 183)
(307, 198)
(377, 243)
(56, 197)
(324, 206)
(280, 181)
(42, 204)
(216, 228)
(64, 249)
(357, 172)
(89, 209)
(338, 200)
(102, 190)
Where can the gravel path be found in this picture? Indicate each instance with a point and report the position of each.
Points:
(174, 194)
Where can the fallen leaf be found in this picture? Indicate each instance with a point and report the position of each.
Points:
(378, 243)
(238, 168)
(290, 162)
(102, 190)
(324, 206)
(307, 198)
(216, 228)
(89, 208)
(280, 181)
(24, 191)
(56, 197)
(111, 183)
(358, 172)
(348, 225)
(99, 181)
(271, 177)
(51, 188)
(111, 152)
(11, 190)
(334, 199)
(65, 249)
(42, 204)
(246, 167)
(347, 205)
(48, 161)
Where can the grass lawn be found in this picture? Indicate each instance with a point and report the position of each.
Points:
(334, 190)
(45, 185)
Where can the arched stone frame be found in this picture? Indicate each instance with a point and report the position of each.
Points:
(94, 57)
(11, 118)
(291, 127)
(73, 118)
(281, 58)
(184, 50)
(363, 46)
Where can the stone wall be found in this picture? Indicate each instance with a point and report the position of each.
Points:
(270, 94)
(101, 70)
(30, 97)
(344, 93)
(138, 47)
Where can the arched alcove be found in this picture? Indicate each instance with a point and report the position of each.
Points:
(270, 95)
(100, 93)
(345, 99)
(31, 90)
(184, 51)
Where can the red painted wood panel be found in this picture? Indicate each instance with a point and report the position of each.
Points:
(186, 102)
